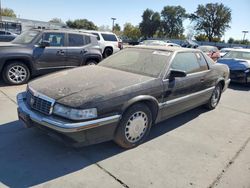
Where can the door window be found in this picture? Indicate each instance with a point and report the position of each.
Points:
(186, 62)
(76, 40)
(55, 39)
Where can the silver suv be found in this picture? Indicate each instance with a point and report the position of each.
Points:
(108, 42)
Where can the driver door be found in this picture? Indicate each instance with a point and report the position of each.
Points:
(181, 94)
(54, 55)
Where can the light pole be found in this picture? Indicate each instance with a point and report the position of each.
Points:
(0, 11)
(113, 23)
(245, 32)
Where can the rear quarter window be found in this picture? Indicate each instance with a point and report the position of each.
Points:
(109, 37)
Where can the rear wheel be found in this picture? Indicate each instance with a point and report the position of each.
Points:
(107, 52)
(215, 98)
(16, 73)
(134, 126)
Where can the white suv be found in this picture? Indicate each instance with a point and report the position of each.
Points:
(108, 42)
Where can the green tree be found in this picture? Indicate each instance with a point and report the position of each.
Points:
(212, 19)
(230, 40)
(8, 12)
(172, 21)
(104, 28)
(56, 20)
(81, 24)
(117, 27)
(150, 23)
(201, 37)
(132, 32)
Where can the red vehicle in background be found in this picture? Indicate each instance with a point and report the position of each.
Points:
(211, 51)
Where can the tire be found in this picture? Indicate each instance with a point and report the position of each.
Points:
(16, 73)
(215, 98)
(91, 62)
(107, 52)
(134, 126)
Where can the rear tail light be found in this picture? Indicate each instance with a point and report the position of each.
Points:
(120, 45)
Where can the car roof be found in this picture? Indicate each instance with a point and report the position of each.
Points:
(207, 46)
(165, 48)
(61, 30)
(94, 31)
(240, 50)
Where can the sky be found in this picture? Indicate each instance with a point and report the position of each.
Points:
(100, 12)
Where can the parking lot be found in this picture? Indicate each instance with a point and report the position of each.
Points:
(199, 148)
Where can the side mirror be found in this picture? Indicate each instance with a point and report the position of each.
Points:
(44, 44)
(177, 74)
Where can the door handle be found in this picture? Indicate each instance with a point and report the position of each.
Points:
(202, 79)
(60, 52)
(83, 51)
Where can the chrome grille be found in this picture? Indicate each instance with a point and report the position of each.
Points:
(39, 104)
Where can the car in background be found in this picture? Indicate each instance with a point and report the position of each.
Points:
(37, 52)
(108, 42)
(223, 51)
(238, 61)
(158, 43)
(189, 44)
(212, 51)
(123, 96)
(6, 36)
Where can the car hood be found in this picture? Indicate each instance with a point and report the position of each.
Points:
(235, 64)
(76, 87)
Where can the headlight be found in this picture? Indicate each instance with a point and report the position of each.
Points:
(74, 114)
(247, 71)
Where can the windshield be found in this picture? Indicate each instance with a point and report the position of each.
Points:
(26, 37)
(238, 55)
(146, 62)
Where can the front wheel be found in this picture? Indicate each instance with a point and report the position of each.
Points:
(215, 98)
(16, 73)
(91, 62)
(134, 126)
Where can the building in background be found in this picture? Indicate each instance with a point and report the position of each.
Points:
(17, 25)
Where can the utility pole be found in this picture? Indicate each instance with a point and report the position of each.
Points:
(0, 11)
(113, 23)
(245, 32)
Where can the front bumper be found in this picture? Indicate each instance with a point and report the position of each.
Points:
(240, 76)
(71, 129)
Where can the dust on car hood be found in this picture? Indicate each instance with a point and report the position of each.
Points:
(81, 85)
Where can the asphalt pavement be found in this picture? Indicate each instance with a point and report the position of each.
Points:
(199, 148)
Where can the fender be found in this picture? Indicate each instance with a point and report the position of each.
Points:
(25, 58)
(143, 98)
(221, 79)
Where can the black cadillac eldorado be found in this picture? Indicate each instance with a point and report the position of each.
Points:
(123, 96)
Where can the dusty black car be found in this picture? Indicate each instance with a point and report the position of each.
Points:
(37, 52)
(124, 95)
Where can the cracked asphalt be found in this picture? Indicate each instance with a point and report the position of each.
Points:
(199, 148)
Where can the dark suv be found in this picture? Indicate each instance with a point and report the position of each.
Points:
(38, 52)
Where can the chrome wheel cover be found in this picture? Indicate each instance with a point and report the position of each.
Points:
(136, 127)
(215, 97)
(17, 74)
